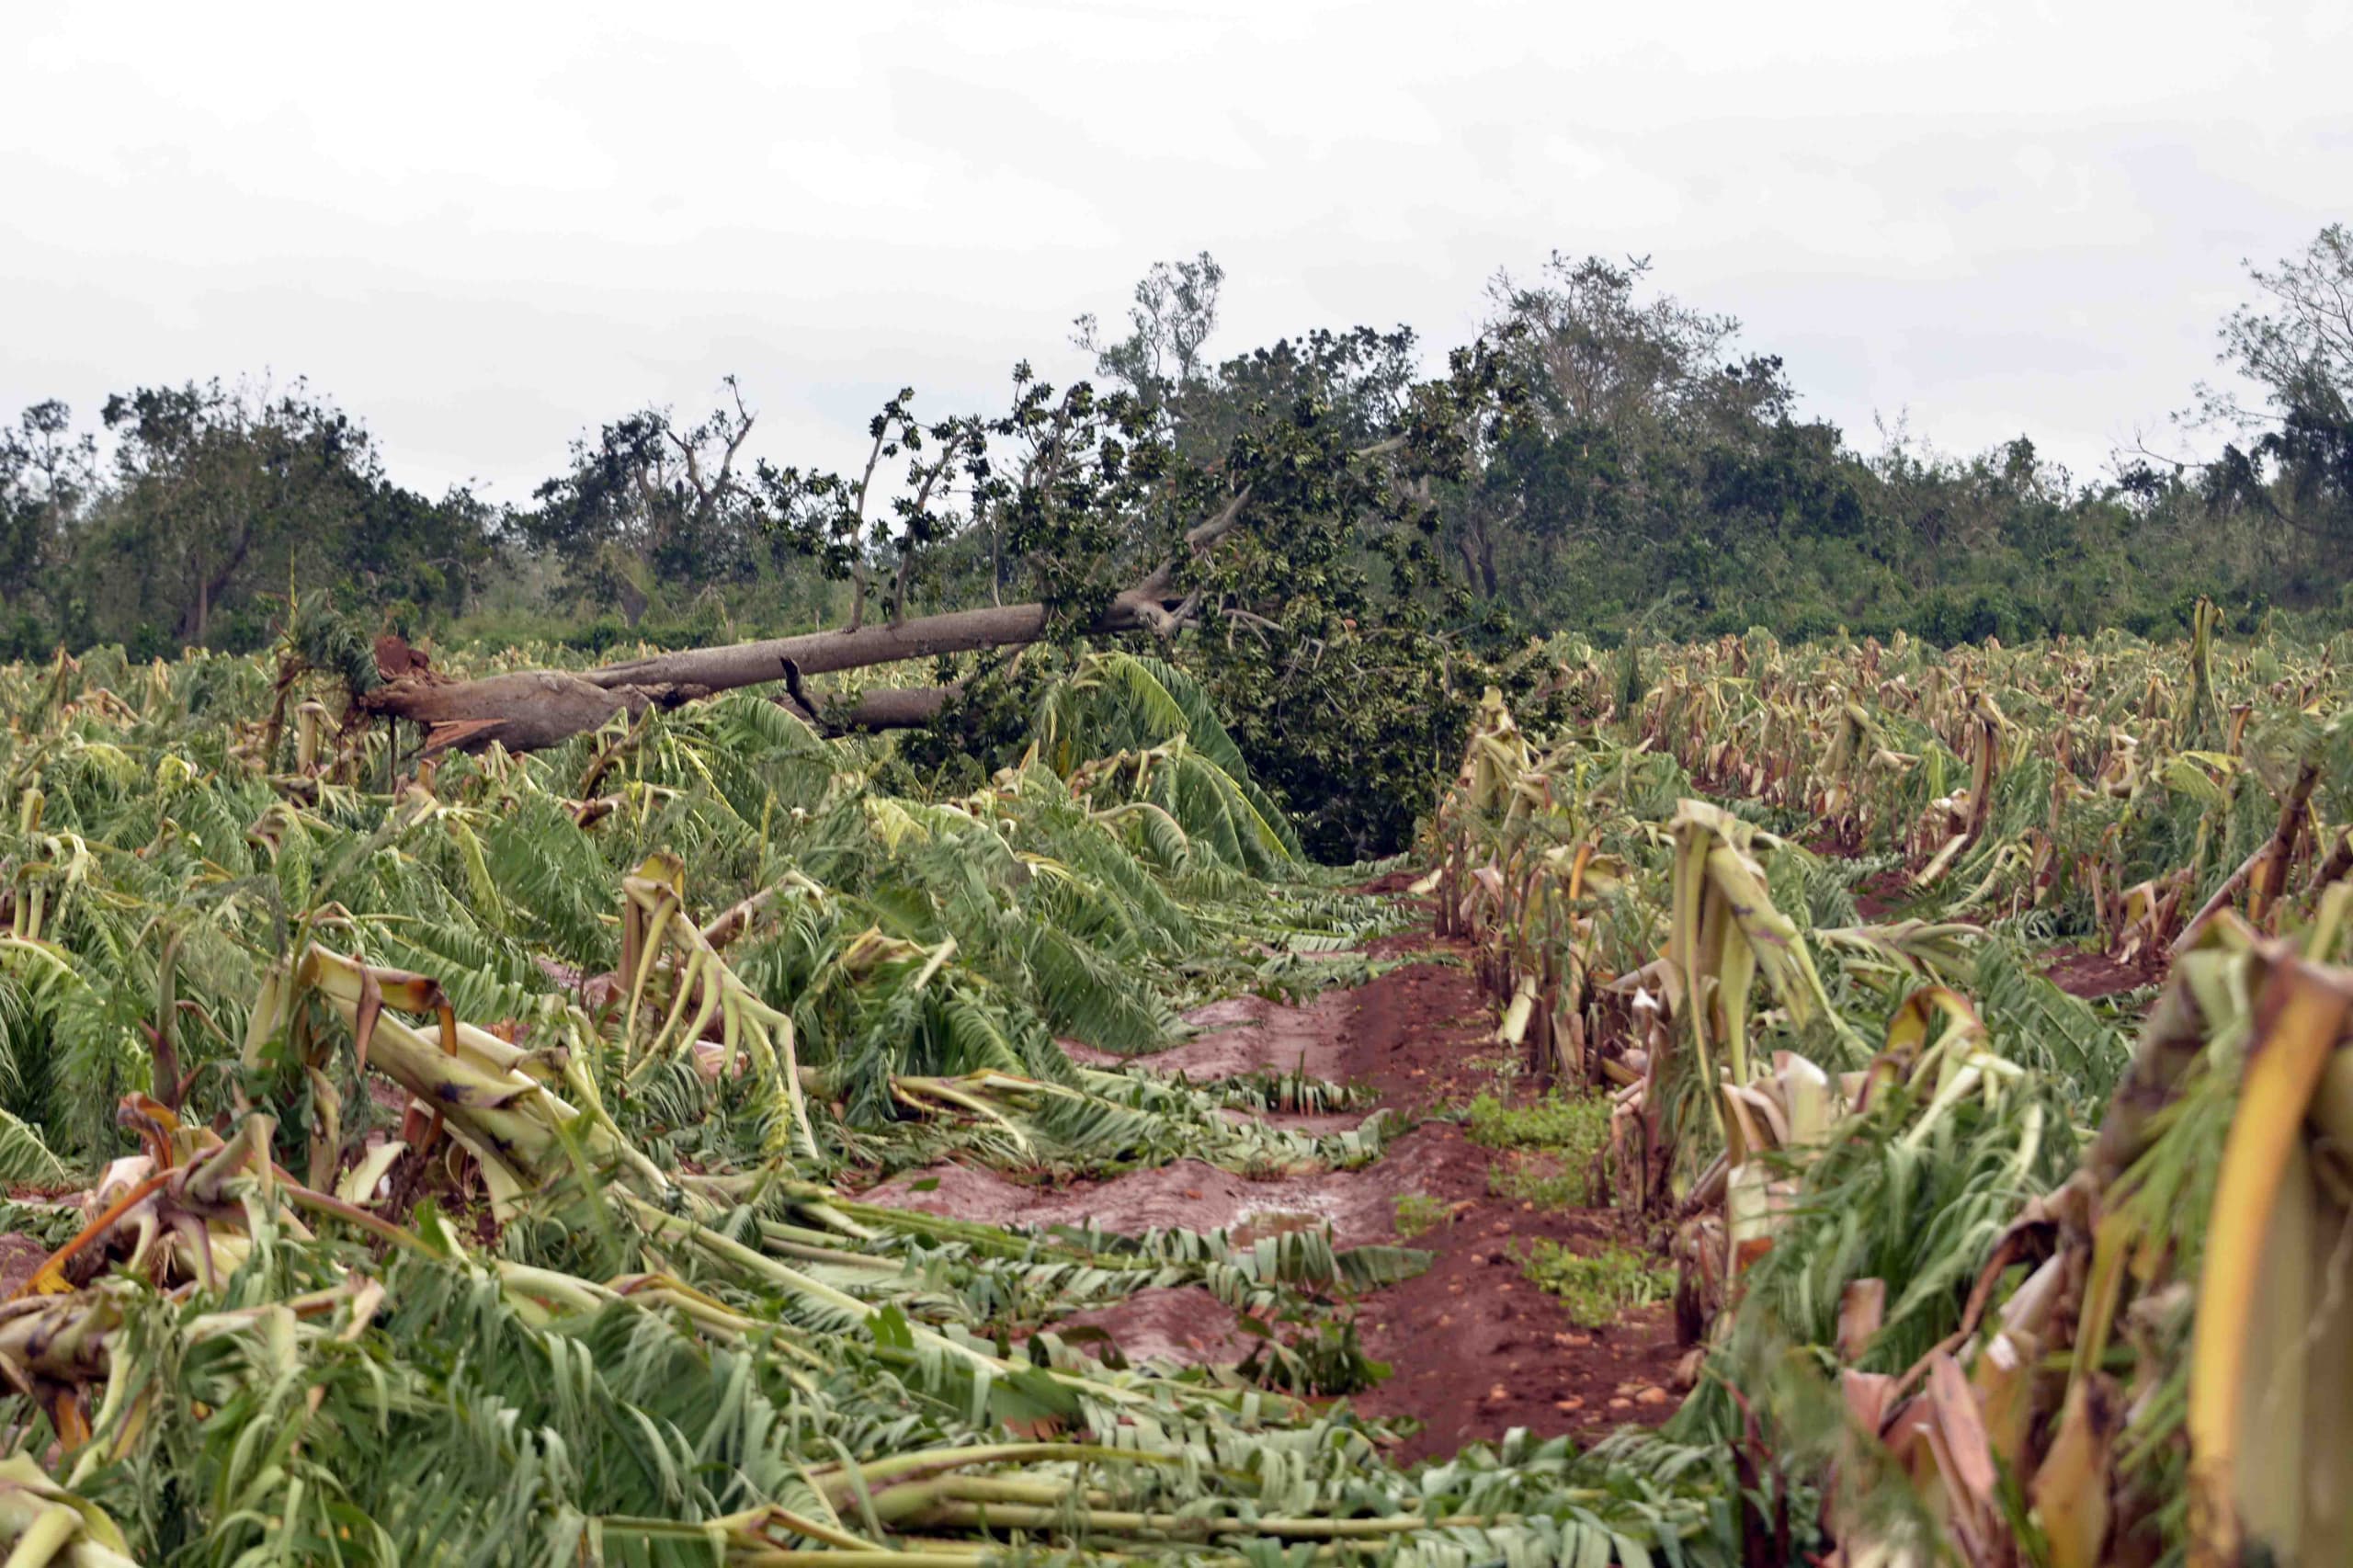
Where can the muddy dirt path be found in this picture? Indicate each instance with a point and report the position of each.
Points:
(1474, 1348)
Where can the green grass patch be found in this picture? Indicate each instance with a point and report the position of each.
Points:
(1562, 1123)
(1595, 1287)
(1418, 1212)
(1538, 1176)
(1545, 1148)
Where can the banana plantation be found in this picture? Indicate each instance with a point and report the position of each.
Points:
(422, 1157)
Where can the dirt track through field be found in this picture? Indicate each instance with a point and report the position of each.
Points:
(1474, 1348)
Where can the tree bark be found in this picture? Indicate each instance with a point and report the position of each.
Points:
(534, 709)
(738, 665)
(884, 708)
(522, 712)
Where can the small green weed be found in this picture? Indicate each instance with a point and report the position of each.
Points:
(1322, 1357)
(1566, 1124)
(1418, 1212)
(1546, 1147)
(1503, 1066)
(1538, 1176)
(1595, 1287)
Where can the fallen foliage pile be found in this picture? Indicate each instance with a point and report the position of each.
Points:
(496, 1122)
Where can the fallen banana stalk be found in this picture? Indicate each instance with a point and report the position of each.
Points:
(43, 1524)
(1725, 934)
(63, 1341)
(2267, 1378)
(493, 1096)
(2024, 1405)
(704, 992)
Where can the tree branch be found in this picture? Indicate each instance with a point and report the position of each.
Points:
(745, 419)
(857, 527)
(948, 455)
(1202, 535)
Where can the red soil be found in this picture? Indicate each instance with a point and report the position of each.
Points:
(1188, 1195)
(2095, 974)
(1475, 1348)
(1180, 1324)
(1248, 1034)
(19, 1258)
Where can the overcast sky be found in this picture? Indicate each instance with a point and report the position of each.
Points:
(484, 227)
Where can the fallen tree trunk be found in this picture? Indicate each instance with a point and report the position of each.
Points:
(884, 708)
(522, 712)
(701, 671)
(533, 709)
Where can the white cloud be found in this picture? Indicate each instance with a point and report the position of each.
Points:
(484, 227)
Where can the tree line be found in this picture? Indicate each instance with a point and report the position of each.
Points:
(1649, 469)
